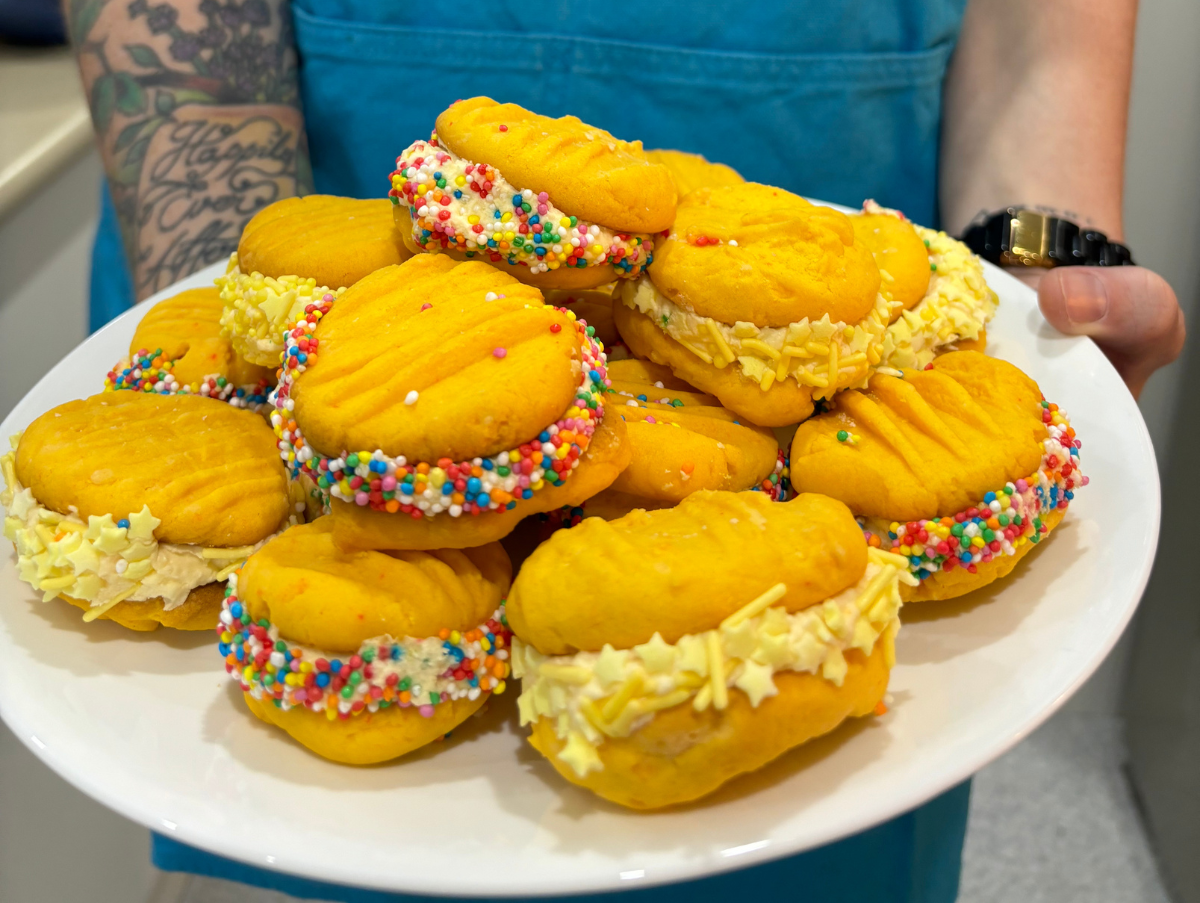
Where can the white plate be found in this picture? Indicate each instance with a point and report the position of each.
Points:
(150, 726)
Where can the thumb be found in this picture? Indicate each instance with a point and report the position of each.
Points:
(1130, 312)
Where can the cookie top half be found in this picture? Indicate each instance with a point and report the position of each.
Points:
(900, 254)
(763, 255)
(321, 595)
(437, 359)
(334, 240)
(589, 173)
(692, 171)
(924, 445)
(681, 570)
(209, 472)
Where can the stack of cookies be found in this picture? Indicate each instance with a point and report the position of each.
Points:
(339, 456)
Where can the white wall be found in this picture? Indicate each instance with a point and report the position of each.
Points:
(45, 255)
(55, 843)
(1162, 173)
(1162, 224)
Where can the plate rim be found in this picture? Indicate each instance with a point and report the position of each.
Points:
(904, 801)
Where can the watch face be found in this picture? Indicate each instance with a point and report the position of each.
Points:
(1032, 240)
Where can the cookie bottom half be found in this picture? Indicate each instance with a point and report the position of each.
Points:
(960, 581)
(782, 404)
(367, 738)
(361, 527)
(682, 755)
(198, 612)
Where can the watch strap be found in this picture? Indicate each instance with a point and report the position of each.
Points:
(1019, 236)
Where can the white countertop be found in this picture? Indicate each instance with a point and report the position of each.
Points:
(44, 120)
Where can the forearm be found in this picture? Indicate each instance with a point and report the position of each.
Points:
(196, 109)
(1036, 105)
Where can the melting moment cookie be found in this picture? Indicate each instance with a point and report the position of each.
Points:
(178, 349)
(447, 403)
(938, 297)
(135, 507)
(681, 441)
(761, 299)
(364, 656)
(961, 467)
(700, 642)
(297, 251)
(692, 171)
(556, 202)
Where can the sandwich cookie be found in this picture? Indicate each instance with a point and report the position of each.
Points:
(437, 403)
(555, 202)
(178, 349)
(136, 507)
(761, 299)
(681, 441)
(962, 467)
(297, 251)
(365, 656)
(692, 171)
(699, 642)
(934, 284)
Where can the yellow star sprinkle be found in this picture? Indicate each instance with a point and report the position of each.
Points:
(96, 525)
(580, 755)
(755, 681)
(658, 656)
(111, 539)
(143, 524)
(84, 559)
(610, 666)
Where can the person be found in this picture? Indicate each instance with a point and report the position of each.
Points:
(206, 110)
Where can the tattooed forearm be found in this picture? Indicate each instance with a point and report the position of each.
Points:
(196, 109)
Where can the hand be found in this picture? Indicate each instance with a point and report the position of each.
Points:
(1130, 312)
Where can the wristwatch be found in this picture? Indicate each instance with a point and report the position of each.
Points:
(1020, 236)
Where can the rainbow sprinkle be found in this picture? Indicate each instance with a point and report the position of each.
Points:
(149, 371)
(424, 489)
(471, 208)
(1001, 523)
(777, 485)
(409, 673)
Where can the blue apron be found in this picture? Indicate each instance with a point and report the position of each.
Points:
(836, 99)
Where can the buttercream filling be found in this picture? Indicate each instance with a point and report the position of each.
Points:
(590, 696)
(957, 306)
(1001, 523)
(393, 484)
(104, 562)
(458, 205)
(823, 354)
(385, 671)
(258, 307)
(149, 373)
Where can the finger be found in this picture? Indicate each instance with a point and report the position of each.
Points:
(1130, 312)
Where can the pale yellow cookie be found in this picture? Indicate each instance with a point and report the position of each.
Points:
(900, 254)
(333, 240)
(135, 507)
(585, 170)
(383, 617)
(961, 468)
(699, 642)
(186, 329)
(692, 171)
